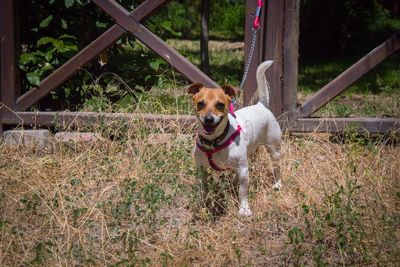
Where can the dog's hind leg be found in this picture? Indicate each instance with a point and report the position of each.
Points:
(275, 150)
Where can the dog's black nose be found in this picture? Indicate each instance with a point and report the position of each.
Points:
(209, 120)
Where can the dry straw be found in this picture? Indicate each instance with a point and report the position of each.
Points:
(133, 198)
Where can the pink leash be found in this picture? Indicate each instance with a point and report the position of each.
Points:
(231, 109)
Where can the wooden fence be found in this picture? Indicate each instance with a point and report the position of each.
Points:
(278, 40)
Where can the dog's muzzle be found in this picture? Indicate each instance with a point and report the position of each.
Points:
(210, 123)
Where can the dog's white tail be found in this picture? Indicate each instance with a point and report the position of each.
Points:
(262, 84)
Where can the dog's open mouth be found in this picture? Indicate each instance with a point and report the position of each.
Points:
(209, 129)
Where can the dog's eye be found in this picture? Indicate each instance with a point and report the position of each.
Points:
(201, 105)
(220, 106)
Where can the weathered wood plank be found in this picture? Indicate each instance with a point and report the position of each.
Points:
(290, 60)
(273, 50)
(336, 125)
(204, 36)
(8, 64)
(351, 75)
(1, 85)
(156, 44)
(77, 119)
(250, 84)
(1, 112)
(86, 55)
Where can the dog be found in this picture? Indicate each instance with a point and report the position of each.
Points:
(226, 139)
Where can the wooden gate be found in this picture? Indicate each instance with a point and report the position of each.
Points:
(278, 40)
(14, 104)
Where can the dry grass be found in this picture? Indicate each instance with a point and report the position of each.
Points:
(135, 200)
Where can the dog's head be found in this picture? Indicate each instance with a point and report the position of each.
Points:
(212, 105)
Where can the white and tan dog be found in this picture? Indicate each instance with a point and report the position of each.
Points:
(225, 140)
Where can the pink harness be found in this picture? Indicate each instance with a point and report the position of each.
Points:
(210, 152)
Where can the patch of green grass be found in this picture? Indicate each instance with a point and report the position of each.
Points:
(377, 94)
(315, 74)
(156, 101)
(226, 59)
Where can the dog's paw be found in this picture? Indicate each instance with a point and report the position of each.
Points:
(277, 186)
(245, 211)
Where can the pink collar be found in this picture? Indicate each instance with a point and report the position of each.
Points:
(215, 149)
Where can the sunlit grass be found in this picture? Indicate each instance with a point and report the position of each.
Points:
(136, 200)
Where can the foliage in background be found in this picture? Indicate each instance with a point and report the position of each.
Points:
(49, 55)
(335, 28)
(58, 29)
(181, 19)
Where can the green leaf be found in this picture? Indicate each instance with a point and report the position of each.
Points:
(75, 181)
(69, 3)
(167, 25)
(101, 24)
(64, 24)
(155, 65)
(26, 58)
(67, 36)
(44, 23)
(68, 48)
(49, 55)
(33, 78)
(58, 44)
(47, 66)
(45, 40)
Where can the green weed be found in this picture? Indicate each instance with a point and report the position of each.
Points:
(339, 214)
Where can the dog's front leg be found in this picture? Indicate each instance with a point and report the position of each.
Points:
(203, 177)
(243, 179)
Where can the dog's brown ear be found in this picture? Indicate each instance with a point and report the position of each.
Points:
(230, 90)
(194, 88)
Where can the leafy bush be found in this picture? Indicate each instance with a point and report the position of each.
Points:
(50, 54)
(62, 28)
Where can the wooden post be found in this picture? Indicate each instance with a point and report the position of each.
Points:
(1, 93)
(1, 107)
(8, 64)
(273, 50)
(250, 85)
(290, 62)
(205, 18)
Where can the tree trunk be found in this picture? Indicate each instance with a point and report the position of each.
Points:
(205, 18)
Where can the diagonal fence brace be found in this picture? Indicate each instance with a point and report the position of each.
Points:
(155, 43)
(107, 39)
